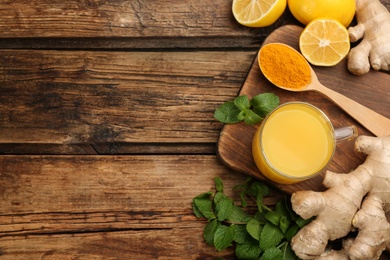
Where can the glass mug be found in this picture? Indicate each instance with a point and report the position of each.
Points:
(295, 142)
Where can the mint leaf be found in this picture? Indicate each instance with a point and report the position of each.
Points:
(260, 203)
(273, 217)
(241, 236)
(209, 231)
(264, 103)
(223, 237)
(204, 205)
(259, 216)
(224, 208)
(288, 253)
(254, 228)
(272, 254)
(218, 184)
(258, 188)
(218, 196)
(242, 102)
(243, 199)
(291, 212)
(238, 215)
(227, 113)
(251, 118)
(242, 109)
(249, 252)
(270, 236)
(291, 231)
(241, 116)
(302, 222)
(196, 211)
(284, 224)
(267, 231)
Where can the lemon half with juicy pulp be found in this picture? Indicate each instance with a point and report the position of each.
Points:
(258, 13)
(324, 42)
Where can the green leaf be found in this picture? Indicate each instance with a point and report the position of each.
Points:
(254, 228)
(302, 222)
(264, 103)
(241, 236)
(270, 236)
(223, 237)
(196, 211)
(273, 217)
(218, 196)
(242, 115)
(209, 231)
(257, 188)
(259, 216)
(281, 207)
(288, 207)
(242, 102)
(238, 215)
(272, 254)
(291, 231)
(202, 205)
(224, 208)
(243, 199)
(288, 253)
(251, 118)
(218, 184)
(284, 224)
(249, 252)
(260, 203)
(227, 113)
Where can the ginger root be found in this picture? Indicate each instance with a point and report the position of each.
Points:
(374, 27)
(357, 201)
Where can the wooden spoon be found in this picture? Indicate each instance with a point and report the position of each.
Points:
(371, 120)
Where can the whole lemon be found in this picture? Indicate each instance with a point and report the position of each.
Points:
(307, 10)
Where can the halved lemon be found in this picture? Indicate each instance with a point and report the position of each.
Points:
(258, 13)
(324, 42)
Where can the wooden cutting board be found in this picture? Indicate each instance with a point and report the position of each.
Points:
(372, 90)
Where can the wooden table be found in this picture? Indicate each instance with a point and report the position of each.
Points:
(107, 128)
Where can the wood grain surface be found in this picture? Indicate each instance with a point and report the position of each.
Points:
(115, 102)
(371, 90)
(107, 128)
(108, 207)
(126, 25)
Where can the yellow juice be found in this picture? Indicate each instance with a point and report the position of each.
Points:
(294, 143)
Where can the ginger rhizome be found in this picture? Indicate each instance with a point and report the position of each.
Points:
(374, 29)
(357, 201)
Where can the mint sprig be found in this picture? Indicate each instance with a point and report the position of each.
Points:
(251, 111)
(264, 234)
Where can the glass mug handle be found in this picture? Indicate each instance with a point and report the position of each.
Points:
(345, 133)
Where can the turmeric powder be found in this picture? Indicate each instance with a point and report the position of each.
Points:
(284, 67)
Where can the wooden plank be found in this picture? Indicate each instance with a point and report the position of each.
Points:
(175, 243)
(90, 206)
(110, 148)
(94, 98)
(128, 24)
(35, 186)
(125, 24)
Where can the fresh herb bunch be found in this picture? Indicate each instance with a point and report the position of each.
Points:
(250, 111)
(264, 235)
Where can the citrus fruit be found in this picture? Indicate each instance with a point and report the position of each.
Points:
(324, 42)
(307, 10)
(258, 13)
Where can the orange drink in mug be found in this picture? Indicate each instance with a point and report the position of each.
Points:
(295, 142)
